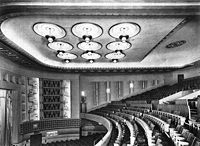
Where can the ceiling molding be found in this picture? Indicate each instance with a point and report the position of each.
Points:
(112, 7)
(102, 4)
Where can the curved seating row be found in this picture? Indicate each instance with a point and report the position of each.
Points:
(120, 128)
(162, 124)
(129, 125)
(142, 123)
(148, 131)
(182, 137)
(180, 120)
(104, 141)
(119, 135)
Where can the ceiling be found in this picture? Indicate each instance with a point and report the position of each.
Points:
(168, 38)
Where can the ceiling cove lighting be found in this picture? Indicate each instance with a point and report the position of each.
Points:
(49, 31)
(90, 46)
(87, 31)
(124, 31)
(67, 57)
(118, 45)
(60, 46)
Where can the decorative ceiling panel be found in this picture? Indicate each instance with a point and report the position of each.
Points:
(23, 35)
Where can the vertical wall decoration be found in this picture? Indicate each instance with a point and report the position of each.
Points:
(66, 92)
(2, 116)
(143, 84)
(102, 92)
(155, 82)
(131, 87)
(55, 98)
(22, 82)
(108, 91)
(51, 98)
(118, 88)
(33, 99)
(96, 93)
(6, 117)
(9, 118)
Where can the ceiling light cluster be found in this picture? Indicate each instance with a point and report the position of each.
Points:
(87, 32)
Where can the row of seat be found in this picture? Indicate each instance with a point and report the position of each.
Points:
(148, 122)
(119, 126)
(182, 137)
(164, 91)
(83, 141)
(123, 113)
(162, 124)
(125, 130)
(169, 117)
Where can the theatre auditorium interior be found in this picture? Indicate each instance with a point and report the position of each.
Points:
(99, 73)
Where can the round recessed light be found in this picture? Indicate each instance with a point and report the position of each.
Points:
(89, 55)
(124, 30)
(89, 46)
(60, 46)
(49, 30)
(118, 46)
(115, 55)
(87, 31)
(67, 56)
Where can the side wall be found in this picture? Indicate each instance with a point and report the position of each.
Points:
(87, 86)
(11, 71)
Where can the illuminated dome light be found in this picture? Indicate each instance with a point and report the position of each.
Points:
(115, 55)
(87, 31)
(66, 56)
(91, 60)
(124, 31)
(118, 46)
(115, 60)
(49, 31)
(50, 38)
(60, 46)
(67, 60)
(90, 55)
(90, 46)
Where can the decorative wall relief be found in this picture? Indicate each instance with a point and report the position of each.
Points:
(33, 99)
(66, 92)
(22, 81)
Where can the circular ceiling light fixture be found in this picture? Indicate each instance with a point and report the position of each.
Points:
(49, 31)
(66, 56)
(115, 55)
(118, 45)
(60, 46)
(124, 31)
(87, 31)
(90, 46)
(90, 55)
